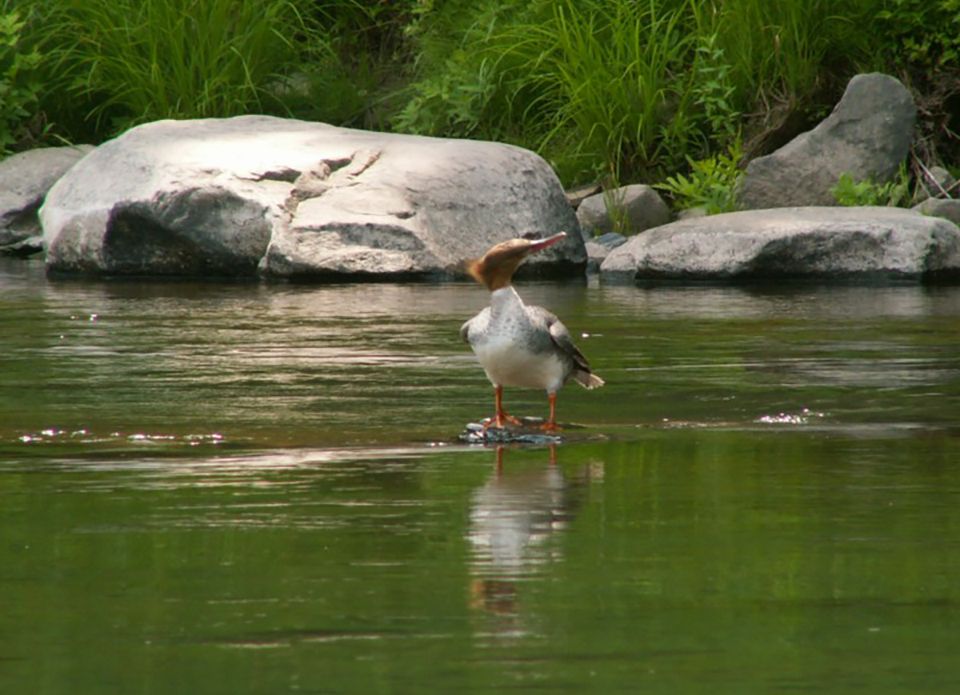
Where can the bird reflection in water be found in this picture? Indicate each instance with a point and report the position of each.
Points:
(514, 520)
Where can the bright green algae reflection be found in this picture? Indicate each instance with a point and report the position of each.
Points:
(214, 488)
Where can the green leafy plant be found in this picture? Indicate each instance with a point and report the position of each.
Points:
(19, 88)
(451, 102)
(713, 91)
(712, 182)
(925, 32)
(778, 50)
(895, 193)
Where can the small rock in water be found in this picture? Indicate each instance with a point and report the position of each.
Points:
(528, 432)
(611, 240)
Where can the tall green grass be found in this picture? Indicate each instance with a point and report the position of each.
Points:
(611, 81)
(130, 61)
(592, 84)
(629, 89)
(622, 90)
(784, 47)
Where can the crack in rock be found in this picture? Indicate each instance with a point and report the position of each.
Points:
(360, 161)
(284, 174)
(331, 173)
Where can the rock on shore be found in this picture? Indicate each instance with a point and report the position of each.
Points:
(287, 198)
(867, 136)
(807, 242)
(25, 179)
(635, 208)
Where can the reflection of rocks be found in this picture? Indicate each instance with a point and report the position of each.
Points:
(512, 519)
(807, 302)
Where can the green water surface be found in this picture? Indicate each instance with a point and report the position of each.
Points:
(255, 488)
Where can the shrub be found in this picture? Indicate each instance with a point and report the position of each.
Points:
(712, 183)
(894, 193)
(19, 87)
(921, 39)
(359, 59)
(451, 102)
(922, 32)
(713, 91)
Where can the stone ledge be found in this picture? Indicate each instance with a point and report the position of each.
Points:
(820, 243)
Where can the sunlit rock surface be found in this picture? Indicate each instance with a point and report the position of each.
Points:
(823, 243)
(25, 178)
(868, 135)
(287, 198)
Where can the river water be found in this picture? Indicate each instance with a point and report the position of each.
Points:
(233, 488)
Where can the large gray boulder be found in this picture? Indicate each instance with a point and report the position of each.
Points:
(290, 198)
(821, 243)
(628, 209)
(25, 179)
(868, 135)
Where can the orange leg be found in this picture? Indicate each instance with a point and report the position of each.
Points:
(501, 418)
(551, 424)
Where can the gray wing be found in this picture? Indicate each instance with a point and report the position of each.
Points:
(561, 337)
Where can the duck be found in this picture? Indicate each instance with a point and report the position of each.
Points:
(520, 345)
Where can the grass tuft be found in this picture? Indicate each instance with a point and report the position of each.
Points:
(132, 61)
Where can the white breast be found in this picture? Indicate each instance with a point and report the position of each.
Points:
(508, 364)
(507, 343)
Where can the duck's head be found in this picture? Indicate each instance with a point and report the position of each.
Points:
(496, 267)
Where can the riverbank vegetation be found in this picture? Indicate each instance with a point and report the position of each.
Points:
(608, 90)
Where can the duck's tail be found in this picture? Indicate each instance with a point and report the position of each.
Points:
(588, 380)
